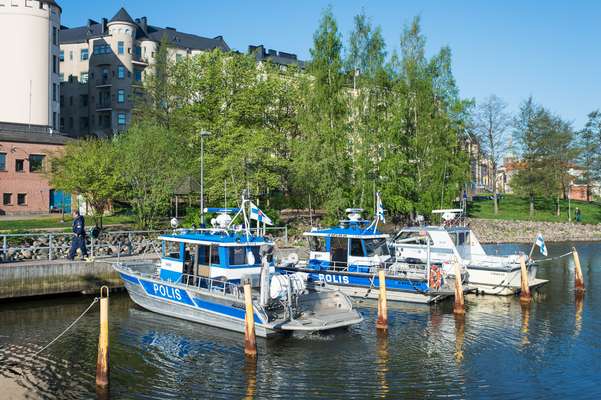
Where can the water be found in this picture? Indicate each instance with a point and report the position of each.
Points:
(501, 350)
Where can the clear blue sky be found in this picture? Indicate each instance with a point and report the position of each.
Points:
(548, 49)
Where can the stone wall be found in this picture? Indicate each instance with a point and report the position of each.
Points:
(500, 231)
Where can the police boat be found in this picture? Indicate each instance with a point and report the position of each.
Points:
(201, 273)
(348, 257)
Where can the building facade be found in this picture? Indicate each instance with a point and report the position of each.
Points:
(29, 71)
(103, 65)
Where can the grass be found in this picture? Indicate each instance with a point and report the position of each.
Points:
(512, 207)
(55, 222)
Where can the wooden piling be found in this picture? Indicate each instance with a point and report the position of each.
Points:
(459, 306)
(102, 364)
(578, 279)
(250, 342)
(525, 296)
(382, 322)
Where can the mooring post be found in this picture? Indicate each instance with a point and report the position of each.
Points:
(459, 306)
(578, 279)
(525, 296)
(250, 342)
(382, 322)
(102, 364)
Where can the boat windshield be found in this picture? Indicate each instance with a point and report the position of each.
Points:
(317, 243)
(420, 238)
(376, 247)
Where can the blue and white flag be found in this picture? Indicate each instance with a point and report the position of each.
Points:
(540, 242)
(380, 208)
(258, 215)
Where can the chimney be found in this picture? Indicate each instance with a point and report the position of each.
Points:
(144, 24)
(104, 22)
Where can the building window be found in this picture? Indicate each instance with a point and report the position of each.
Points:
(70, 100)
(54, 69)
(83, 100)
(120, 47)
(54, 121)
(137, 75)
(2, 161)
(62, 124)
(137, 51)
(70, 55)
(61, 56)
(84, 54)
(22, 199)
(54, 36)
(7, 199)
(120, 96)
(54, 85)
(121, 72)
(83, 77)
(20, 165)
(61, 77)
(36, 162)
(121, 119)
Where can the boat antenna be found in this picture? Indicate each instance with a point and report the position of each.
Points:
(310, 212)
(243, 209)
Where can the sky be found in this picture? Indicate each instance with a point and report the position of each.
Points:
(514, 49)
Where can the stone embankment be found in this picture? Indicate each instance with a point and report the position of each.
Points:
(500, 231)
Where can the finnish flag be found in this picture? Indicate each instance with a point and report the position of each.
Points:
(380, 208)
(258, 215)
(540, 242)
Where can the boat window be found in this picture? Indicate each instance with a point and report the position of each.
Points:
(256, 253)
(238, 255)
(418, 236)
(460, 238)
(376, 247)
(203, 254)
(453, 236)
(171, 249)
(215, 255)
(316, 243)
(356, 248)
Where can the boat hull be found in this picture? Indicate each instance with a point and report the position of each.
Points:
(501, 281)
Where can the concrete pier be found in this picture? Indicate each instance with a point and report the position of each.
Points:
(36, 278)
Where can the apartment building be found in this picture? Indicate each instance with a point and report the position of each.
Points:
(102, 67)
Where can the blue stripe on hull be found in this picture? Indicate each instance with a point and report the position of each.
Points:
(352, 280)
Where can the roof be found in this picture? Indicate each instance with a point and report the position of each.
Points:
(94, 29)
(204, 237)
(122, 16)
(41, 138)
(347, 232)
(276, 57)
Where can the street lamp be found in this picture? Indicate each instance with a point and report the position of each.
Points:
(202, 134)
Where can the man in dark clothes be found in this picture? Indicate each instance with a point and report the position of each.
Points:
(79, 241)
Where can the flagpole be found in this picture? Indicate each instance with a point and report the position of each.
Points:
(532, 249)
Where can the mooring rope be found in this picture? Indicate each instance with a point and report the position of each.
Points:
(552, 258)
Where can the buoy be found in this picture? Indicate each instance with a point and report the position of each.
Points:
(459, 307)
(525, 296)
(382, 322)
(578, 279)
(102, 364)
(250, 342)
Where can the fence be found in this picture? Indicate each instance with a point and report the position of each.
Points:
(55, 245)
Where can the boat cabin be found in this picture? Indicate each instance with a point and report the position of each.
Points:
(353, 246)
(221, 254)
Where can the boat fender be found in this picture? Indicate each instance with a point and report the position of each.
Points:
(278, 287)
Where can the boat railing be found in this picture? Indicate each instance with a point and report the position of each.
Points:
(392, 268)
(211, 284)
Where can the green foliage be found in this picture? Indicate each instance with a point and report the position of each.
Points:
(590, 147)
(87, 167)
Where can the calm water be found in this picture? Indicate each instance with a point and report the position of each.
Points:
(551, 349)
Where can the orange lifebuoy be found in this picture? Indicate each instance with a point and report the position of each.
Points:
(435, 277)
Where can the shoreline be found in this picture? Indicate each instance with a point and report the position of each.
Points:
(504, 231)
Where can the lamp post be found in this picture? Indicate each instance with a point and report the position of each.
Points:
(202, 133)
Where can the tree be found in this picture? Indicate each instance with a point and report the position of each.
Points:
(87, 167)
(590, 146)
(490, 124)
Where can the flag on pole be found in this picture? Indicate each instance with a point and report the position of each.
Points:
(380, 208)
(540, 242)
(258, 215)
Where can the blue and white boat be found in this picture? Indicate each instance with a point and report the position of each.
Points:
(200, 274)
(348, 258)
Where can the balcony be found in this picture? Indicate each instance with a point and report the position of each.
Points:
(139, 60)
(103, 82)
(104, 106)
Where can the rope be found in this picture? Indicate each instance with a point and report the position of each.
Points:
(552, 258)
(69, 327)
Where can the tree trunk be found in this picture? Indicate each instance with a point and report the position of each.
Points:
(531, 206)
(558, 208)
(494, 193)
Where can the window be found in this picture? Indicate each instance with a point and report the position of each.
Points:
(137, 75)
(83, 55)
(377, 247)
(171, 249)
(121, 118)
(54, 90)
(83, 100)
(62, 124)
(203, 255)
(61, 77)
(70, 100)
(2, 161)
(238, 255)
(54, 36)
(54, 120)
(120, 96)
(70, 55)
(83, 77)
(61, 56)
(7, 199)
(22, 199)
(137, 51)
(20, 165)
(105, 74)
(120, 47)
(356, 248)
(121, 72)
(36, 162)
(316, 243)
(54, 68)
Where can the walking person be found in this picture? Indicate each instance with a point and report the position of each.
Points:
(79, 241)
(578, 214)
